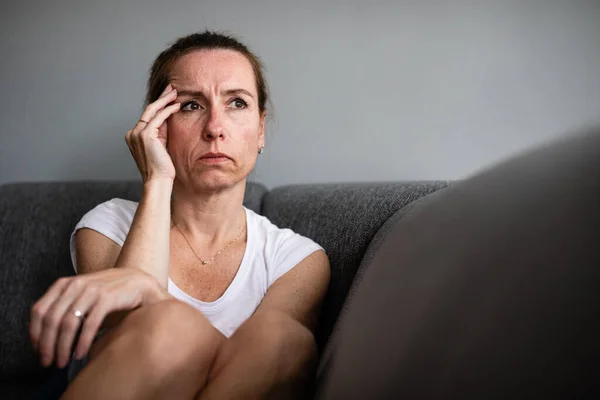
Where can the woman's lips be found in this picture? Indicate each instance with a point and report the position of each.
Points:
(213, 160)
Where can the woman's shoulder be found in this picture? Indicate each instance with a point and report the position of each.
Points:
(282, 248)
(117, 203)
(263, 226)
(280, 242)
(112, 218)
(116, 208)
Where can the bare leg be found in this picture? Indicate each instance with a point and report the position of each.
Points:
(157, 352)
(270, 356)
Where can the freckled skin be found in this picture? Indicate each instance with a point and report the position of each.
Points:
(214, 121)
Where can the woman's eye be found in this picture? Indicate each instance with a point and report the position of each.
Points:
(190, 106)
(238, 103)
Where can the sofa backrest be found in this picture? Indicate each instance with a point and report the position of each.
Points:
(36, 221)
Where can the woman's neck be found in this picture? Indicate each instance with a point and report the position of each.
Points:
(208, 218)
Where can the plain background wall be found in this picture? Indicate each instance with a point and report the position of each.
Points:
(363, 90)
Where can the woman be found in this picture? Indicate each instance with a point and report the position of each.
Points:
(145, 270)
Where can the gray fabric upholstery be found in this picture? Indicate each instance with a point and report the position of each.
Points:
(343, 218)
(36, 220)
(374, 247)
(490, 289)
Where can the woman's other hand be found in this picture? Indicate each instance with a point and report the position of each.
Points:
(54, 322)
(147, 141)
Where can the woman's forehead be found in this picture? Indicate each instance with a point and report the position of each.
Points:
(213, 67)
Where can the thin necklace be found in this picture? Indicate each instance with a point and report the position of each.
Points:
(204, 262)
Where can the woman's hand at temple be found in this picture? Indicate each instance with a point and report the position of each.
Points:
(147, 141)
(86, 299)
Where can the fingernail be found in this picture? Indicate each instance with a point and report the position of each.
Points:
(45, 361)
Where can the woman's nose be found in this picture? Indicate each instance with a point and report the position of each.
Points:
(214, 127)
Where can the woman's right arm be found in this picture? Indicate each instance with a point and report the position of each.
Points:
(111, 282)
(141, 266)
(96, 252)
(147, 244)
(99, 296)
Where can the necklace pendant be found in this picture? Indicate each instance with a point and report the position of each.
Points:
(204, 262)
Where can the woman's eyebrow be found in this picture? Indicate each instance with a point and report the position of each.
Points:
(191, 93)
(229, 92)
(237, 91)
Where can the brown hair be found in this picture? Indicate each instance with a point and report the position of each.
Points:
(207, 40)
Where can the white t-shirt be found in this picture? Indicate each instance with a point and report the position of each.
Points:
(270, 253)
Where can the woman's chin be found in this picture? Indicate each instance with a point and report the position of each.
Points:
(215, 181)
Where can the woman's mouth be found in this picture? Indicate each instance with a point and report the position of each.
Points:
(214, 158)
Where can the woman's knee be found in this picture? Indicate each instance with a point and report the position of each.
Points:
(167, 336)
(283, 327)
(284, 337)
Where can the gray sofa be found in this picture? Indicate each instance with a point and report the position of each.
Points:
(36, 220)
(486, 288)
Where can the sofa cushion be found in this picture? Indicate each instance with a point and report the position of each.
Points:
(36, 220)
(370, 256)
(490, 290)
(343, 218)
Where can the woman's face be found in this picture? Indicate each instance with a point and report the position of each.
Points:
(215, 136)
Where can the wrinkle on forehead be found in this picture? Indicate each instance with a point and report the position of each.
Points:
(213, 71)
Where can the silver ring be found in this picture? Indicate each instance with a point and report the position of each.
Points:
(78, 314)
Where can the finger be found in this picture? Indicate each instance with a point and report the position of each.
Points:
(162, 116)
(151, 111)
(91, 325)
(167, 89)
(53, 319)
(41, 307)
(132, 145)
(129, 141)
(71, 323)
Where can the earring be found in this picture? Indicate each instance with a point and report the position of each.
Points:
(260, 151)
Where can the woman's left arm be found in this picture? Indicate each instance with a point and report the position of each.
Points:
(299, 293)
(273, 353)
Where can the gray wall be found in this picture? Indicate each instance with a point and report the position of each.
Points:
(363, 90)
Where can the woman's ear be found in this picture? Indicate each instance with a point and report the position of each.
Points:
(261, 132)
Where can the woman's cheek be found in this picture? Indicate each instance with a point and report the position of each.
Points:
(242, 118)
(176, 130)
(246, 122)
(182, 122)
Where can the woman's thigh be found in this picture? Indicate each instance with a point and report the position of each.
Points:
(169, 323)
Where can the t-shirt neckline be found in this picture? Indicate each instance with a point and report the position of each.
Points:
(238, 279)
